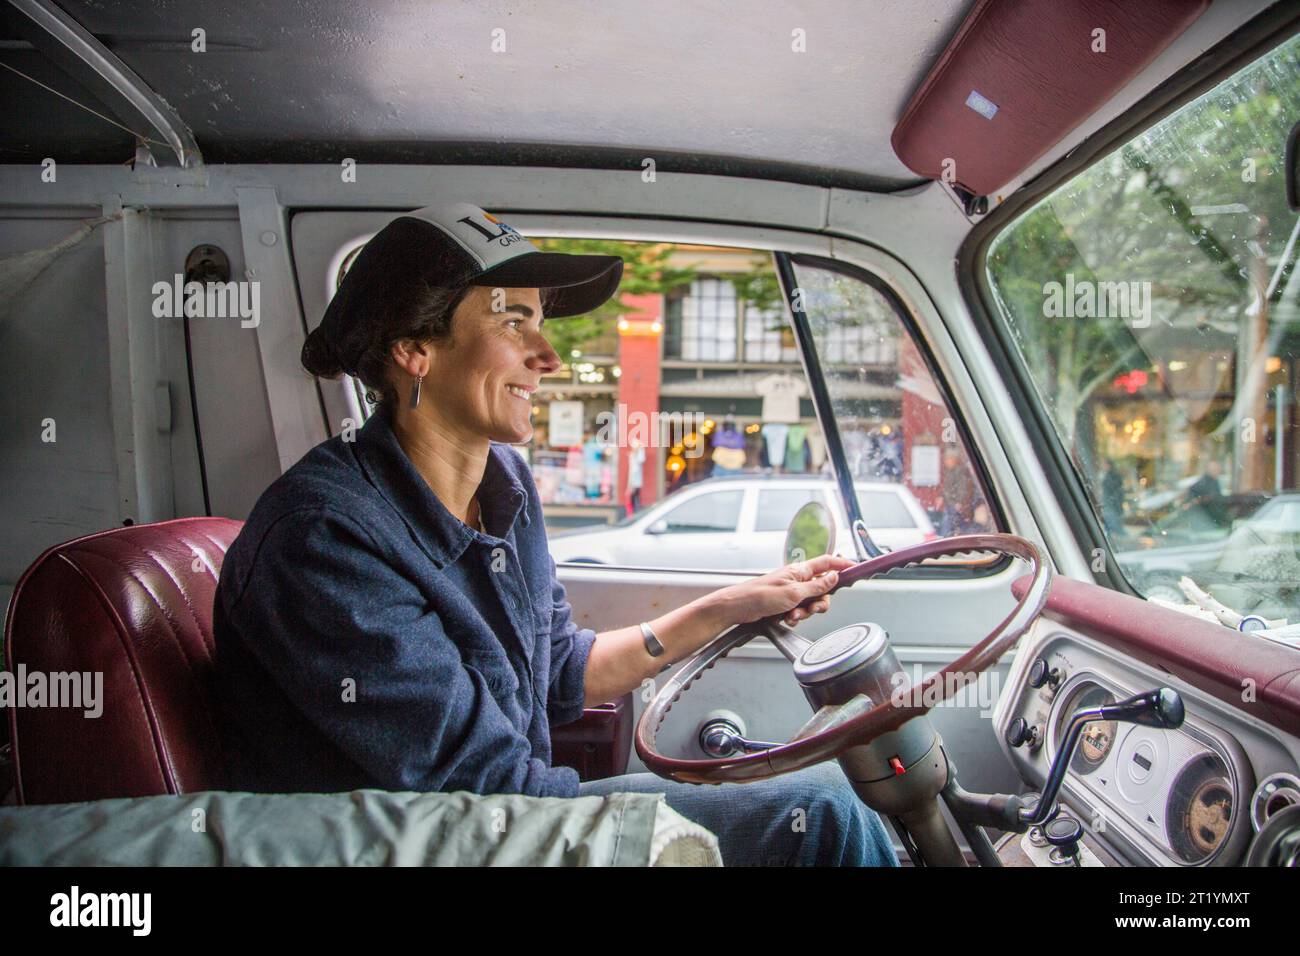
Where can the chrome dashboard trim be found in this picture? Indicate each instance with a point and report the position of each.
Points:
(1255, 749)
(1237, 763)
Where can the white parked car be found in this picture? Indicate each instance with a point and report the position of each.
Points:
(740, 523)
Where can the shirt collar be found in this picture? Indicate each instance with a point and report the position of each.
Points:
(439, 533)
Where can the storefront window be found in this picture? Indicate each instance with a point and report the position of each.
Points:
(703, 322)
(574, 468)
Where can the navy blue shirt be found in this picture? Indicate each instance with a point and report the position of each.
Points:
(366, 637)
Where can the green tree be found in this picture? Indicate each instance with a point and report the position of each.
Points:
(646, 270)
(1196, 208)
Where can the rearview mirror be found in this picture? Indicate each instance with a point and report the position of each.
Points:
(811, 533)
(659, 527)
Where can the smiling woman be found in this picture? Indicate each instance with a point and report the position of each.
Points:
(390, 616)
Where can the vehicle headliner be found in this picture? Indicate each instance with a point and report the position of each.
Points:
(417, 82)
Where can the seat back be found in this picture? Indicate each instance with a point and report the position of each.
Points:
(130, 610)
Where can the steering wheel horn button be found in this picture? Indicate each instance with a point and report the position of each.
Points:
(840, 652)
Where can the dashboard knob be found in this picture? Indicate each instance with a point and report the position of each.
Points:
(1040, 674)
(1064, 833)
(1020, 731)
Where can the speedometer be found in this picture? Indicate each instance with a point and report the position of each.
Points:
(1198, 813)
(1098, 736)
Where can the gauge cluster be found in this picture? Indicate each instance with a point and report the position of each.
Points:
(1184, 797)
(1177, 789)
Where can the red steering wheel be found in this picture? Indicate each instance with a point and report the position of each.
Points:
(835, 729)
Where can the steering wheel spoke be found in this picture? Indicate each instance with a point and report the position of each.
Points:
(785, 638)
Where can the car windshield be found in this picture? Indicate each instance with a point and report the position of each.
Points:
(1153, 301)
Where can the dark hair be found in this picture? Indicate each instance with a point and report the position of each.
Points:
(426, 315)
(363, 322)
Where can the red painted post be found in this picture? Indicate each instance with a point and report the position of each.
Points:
(639, 336)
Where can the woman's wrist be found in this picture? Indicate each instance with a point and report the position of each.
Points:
(717, 609)
(686, 629)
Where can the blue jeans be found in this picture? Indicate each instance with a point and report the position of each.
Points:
(810, 817)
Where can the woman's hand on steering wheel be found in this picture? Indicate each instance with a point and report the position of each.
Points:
(783, 591)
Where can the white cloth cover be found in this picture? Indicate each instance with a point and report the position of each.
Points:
(361, 828)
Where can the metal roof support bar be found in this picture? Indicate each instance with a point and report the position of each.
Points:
(73, 48)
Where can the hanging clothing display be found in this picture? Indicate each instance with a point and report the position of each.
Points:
(781, 393)
(816, 447)
(774, 436)
(796, 448)
(728, 451)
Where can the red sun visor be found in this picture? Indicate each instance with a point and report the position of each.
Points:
(1020, 74)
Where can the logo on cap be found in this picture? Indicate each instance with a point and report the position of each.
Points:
(505, 237)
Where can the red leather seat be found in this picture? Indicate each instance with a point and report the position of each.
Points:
(134, 604)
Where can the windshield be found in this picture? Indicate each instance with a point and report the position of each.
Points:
(1153, 301)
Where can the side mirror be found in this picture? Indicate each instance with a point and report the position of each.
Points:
(810, 535)
(659, 527)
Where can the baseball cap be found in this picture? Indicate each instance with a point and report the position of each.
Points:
(459, 243)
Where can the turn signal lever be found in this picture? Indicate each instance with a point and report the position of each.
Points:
(1161, 707)
(722, 734)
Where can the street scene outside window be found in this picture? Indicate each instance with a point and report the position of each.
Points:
(1153, 299)
(680, 432)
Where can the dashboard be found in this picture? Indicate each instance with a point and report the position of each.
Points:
(1194, 796)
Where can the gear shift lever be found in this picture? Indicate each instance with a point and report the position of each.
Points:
(1161, 707)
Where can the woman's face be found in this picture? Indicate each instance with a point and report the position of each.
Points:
(481, 380)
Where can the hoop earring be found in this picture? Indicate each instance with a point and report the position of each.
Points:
(415, 391)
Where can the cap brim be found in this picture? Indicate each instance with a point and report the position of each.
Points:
(581, 282)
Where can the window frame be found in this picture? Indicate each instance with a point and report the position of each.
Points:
(1254, 40)
(825, 415)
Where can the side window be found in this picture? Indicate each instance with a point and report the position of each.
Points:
(716, 512)
(777, 506)
(693, 373)
(689, 376)
(911, 468)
